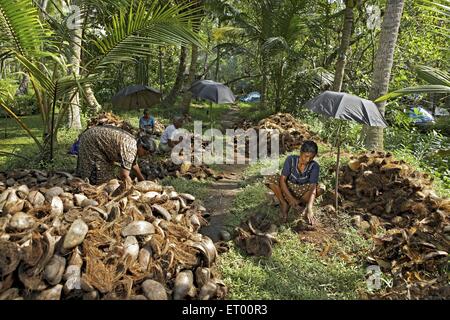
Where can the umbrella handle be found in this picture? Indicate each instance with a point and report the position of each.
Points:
(337, 167)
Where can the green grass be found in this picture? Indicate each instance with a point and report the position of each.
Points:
(18, 142)
(295, 271)
(253, 112)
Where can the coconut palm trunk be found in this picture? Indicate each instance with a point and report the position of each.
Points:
(345, 44)
(74, 117)
(187, 97)
(383, 65)
(89, 97)
(172, 96)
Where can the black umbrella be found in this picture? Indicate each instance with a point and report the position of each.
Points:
(345, 106)
(136, 96)
(213, 91)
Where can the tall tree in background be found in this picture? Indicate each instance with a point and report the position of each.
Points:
(74, 115)
(345, 43)
(383, 65)
(179, 80)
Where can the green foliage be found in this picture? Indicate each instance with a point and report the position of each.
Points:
(295, 271)
(25, 105)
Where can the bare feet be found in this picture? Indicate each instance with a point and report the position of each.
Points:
(284, 208)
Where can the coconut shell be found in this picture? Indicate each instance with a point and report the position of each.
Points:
(54, 270)
(162, 212)
(79, 198)
(131, 247)
(53, 192)
(76, 234)
(57, 206)
(146, 186)
(183, 284)
(9, 257)
(22, 191)
(36, 198)
(145, 255)
(53, 293)
(138, 228)
(21, 221)
(13, 207)
(154, 290)
(208, 291)
(202, 276)
(150, 197)
(187, 196)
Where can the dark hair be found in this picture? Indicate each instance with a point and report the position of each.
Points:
(146, 111)
(309, 146)
(147, 143)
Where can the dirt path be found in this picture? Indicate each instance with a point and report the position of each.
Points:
(221, 193)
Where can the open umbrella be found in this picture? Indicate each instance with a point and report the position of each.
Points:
(345, 106)
(215, 92)
(136, 96)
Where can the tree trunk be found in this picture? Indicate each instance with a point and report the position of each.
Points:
(92, 103)
(345, 43)
(161, 76)
(74, 118)
(172, 97)
(187, 97)
(264, 85)
(141, 73)
(383, 65)
(23, 87)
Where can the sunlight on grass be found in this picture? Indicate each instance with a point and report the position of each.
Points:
(294, 272)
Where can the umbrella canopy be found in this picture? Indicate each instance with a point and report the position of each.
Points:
(136, 96)
(213, 91)
(345, 106)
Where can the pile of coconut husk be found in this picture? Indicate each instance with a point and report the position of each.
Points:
(62, 238)
(256, 235)
(109, 118)
(291, 132)
(162, 168)
(408, 222)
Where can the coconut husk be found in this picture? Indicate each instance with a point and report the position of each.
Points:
(256, 235)
(395, 206)
(98, 267)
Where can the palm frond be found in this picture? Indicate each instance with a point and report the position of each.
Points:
(433, 76)
(20, 24)
(39, 77)
(132, 32)
(275, 43)
(219, 34)
(415, 90)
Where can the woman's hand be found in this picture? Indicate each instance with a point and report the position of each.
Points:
(310, 215)
(294, 203)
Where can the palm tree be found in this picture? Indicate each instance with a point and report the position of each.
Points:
(383, 65)
(129, 34)
(345, 43)
(439, 80)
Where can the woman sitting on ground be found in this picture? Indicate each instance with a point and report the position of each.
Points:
(298, 183)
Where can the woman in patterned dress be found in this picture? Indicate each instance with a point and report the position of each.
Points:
(103, 146)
